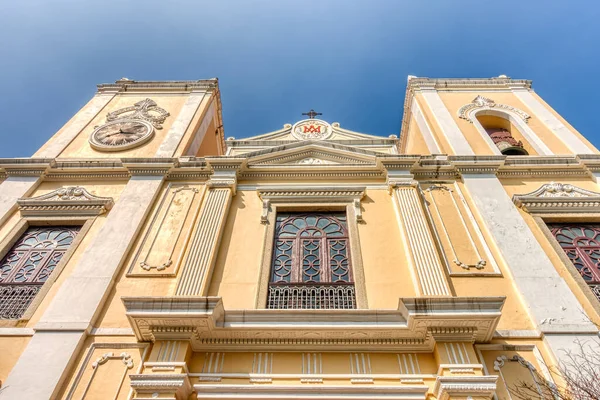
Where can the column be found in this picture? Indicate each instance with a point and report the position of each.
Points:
(549, 301)
(198, 265)
(447, 125)
(59, 142)
(181, 124)
(570, 139)
(41, 369)
(419, 239)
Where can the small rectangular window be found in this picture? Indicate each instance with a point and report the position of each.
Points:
(311, 265)
(28, 264)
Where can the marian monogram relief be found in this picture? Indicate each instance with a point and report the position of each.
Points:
(311, 129)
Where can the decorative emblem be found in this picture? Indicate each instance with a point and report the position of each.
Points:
(311, 129)
(146, 110)
(128, 127)
(483, 103)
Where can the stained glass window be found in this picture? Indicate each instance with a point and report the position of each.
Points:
(28, 264)
(311, 262)
(581, 243)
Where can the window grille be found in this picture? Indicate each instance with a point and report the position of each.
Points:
(28, 264)
(581, 243)
(311, 265)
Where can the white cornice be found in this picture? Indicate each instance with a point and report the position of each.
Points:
(127, 85)
(416, 324)
(558, 198)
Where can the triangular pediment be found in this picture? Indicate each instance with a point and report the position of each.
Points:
(310, 153)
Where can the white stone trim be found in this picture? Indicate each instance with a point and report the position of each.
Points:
(17, 331)
(180, 125)
(76, 125)
(12, 189)
(358, 392)
(428, 136)
(447, 125)
(568, 137)
(556, 197)
(533, 273)
(532, 138)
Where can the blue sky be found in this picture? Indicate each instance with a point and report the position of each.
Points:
(277, 59)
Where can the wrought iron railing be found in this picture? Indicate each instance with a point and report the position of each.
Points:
(311, 296)
(596, 290)
(15, 298)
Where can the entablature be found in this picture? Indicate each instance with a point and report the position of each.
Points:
(416, 325)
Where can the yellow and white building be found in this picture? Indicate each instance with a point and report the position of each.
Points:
(145, 256)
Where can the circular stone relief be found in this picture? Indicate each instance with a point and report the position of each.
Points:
(311, 129)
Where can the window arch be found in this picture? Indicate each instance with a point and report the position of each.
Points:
(311, 248)
(505, 117)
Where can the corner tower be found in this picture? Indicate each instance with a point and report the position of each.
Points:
(496, 116)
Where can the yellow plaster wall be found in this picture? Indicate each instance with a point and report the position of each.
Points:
(65, 126)
(80, 147)
(199, 116)
(104, 381)
(237, 270)
(385, 263)
(11, 348)
(455, 100)
(566, 123)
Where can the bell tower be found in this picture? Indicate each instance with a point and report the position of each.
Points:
(143, 119)
(495, 116)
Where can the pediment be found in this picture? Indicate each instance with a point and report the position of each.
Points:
(311, 153)
(68, 200)
(557, 197)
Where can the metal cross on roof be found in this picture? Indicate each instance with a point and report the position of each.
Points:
(312, 114)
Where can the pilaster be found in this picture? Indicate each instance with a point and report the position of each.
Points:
(65, 323)
(181, 124)
(555, 312)
(419, 240)
(59, 142)
(198, 265)
(448, 126)
(570, 139)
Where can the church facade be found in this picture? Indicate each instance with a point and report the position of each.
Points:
(144, 255)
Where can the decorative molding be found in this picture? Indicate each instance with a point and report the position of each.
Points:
(146, 110)
(556, 197)
(176, 385)
(447, 387)
(67, 201)
(500, 361)
(481, 263)
(483, 103)
(417, 323)
(176, 203)
(358, 392)
(310, 194)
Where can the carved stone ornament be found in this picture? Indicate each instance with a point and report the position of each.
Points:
(484, 103)
(558, 197)
(69, 201)
(128, 127)
(311, 129)
(146, 110)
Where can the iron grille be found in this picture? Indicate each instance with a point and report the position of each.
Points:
(15, 298)
(303, 296)
(595, 290)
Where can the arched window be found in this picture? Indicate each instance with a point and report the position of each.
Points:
(311, 264)
(28, 264)
(505, 136)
